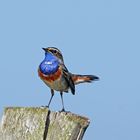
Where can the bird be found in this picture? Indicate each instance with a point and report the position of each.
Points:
(53, 72)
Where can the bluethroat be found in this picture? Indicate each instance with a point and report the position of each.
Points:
(56, 76)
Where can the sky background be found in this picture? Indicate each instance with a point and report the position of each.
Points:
(99, 37)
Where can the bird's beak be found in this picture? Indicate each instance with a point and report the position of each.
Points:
(44, 49)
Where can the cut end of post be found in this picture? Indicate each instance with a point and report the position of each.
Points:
(41, 123)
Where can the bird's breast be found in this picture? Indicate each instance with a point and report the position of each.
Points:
(55, 81)
(48, 67)
(51, 77)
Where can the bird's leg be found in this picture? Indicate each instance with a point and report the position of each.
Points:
(63, 109)
(52, 94)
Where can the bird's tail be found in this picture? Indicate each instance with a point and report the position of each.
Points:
(83, 78)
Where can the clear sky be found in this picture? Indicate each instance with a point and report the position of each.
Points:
(99, 37)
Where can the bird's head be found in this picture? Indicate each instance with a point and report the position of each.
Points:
(54, 51)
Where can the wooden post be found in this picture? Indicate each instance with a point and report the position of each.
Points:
(27, 123)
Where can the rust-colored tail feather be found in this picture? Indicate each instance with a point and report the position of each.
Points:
(84, 78)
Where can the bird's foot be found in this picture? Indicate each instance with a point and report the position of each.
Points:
(44, 106)
(63, 110)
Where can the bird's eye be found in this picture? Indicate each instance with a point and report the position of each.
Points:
(54, 51)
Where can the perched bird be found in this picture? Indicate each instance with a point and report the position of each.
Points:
(56, 76)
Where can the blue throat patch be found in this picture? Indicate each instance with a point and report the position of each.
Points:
(49, 65)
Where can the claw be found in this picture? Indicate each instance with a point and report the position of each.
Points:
(44, 106)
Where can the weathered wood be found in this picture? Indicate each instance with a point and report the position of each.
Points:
(23, 123)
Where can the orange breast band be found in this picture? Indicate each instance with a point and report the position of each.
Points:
(51, 77)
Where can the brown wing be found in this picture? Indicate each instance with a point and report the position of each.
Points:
(69, 80)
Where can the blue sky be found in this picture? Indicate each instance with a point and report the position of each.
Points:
(96, 37)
